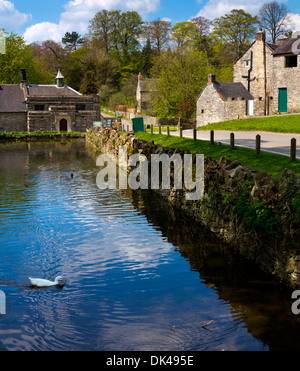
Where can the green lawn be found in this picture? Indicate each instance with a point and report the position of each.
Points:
(266, 162)
(276, 124)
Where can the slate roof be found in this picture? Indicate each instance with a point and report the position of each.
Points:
(286, 47)
(50, 90)
(229, 90)
(11, 98)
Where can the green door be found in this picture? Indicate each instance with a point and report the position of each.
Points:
(282, 100)
(138, 124)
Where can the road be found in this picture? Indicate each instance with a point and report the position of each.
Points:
(270, 142)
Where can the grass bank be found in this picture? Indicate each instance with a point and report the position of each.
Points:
(276, 124)
(266, 162)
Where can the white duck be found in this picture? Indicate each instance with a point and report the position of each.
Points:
(39, 282)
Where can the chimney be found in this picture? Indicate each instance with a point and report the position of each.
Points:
(260, 36)
(140, 77)
(283, 40)
(211, 79)
(23, 76)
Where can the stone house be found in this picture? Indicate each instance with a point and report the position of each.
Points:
(144, 92)
(222, 101)
(28, 108)
(271, 75)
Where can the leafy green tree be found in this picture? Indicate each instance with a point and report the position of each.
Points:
(235, 30)
(19, 55)
(180, 78)
(72, 39)
(184, 34)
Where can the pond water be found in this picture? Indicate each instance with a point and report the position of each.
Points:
(140, 277)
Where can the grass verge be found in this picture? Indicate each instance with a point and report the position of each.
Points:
(277, 124)
(266, 162)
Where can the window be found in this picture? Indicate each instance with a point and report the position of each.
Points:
(202, 111)
(80, 107)
(291, 61)
(247, 63)
(39, 107)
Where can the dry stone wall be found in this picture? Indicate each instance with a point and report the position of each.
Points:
(251, 212)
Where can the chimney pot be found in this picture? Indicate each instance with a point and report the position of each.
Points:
(211, 79)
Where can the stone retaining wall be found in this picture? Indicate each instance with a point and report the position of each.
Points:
(250, 211)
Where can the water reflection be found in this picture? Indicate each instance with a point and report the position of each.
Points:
(139, 275)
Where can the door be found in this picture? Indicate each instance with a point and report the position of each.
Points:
(63, 125)
(282, 100)
(250, 107)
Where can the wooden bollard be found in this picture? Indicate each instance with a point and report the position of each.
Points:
(168, 131)
(159, 129)
(258, 144)
(293, 149)
(127, 128)
(212, 137)
(195, 134)
(151, 128)
(232, 140)
(180, 132)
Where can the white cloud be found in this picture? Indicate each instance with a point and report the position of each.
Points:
(295, 21)
(78, 13)
(216, 8)
(10, 18)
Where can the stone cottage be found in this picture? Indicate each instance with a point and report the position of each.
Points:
(221, 101)
(144, 92)
(28, 108)
(271, 75)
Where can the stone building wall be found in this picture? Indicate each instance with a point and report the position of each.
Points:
(260, 93)
(13, 121)
(287, 77)
(212, 108)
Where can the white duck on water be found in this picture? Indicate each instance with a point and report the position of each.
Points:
(39, 282)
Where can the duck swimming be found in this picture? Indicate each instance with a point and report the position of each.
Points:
(39, 282)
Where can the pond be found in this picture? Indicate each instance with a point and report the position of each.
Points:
(139, 275)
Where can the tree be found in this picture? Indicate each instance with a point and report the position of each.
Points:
(184, 34)
(101, 28)
(158, 33)
(274, 18)
(88, 84)
(19, 55)
(235, 30)
(72, 39)
(180, 78)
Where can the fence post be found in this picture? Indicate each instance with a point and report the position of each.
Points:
(258, 144)
(195, 134)
(212, 137)
(232, 140)
(293, 149)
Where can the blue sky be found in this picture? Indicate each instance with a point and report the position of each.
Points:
(39, 20)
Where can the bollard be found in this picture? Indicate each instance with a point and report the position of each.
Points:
(151, 128)
(212, 137)
(195, 134)
(159, 129)
(168, 131)
(293, 149)
(232, 140)
(258, 144)
(127, 128)
(180, 132)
